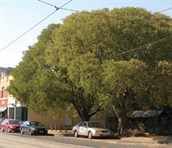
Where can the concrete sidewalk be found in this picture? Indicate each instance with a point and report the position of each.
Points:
(61, 133)
(132, 140)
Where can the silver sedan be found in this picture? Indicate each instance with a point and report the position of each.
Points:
(90, 129)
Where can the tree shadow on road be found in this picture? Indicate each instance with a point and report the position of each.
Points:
(164, 139)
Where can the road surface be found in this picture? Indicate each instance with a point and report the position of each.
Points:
(16, 140)
(10, 140)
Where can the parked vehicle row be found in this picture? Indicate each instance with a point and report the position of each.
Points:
(30, 127)
(84, 128)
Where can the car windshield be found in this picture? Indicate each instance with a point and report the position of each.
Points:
(94, 124)
(35, 123)
(14, 122)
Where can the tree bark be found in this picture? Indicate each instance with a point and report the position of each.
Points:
(122, 121)
(119, 127)
(84, 111)
(85, 118)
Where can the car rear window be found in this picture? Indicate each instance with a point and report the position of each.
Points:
(14, 122)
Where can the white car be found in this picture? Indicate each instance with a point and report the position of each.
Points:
(90, 129)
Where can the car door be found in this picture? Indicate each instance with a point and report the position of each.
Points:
(5, 125)
(85, 129)
(79, 127)
(22, 127)
(25, 127)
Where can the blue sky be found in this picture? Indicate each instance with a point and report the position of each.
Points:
(17, 16)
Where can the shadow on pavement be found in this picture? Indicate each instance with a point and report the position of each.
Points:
(49, 135)
(164, 139)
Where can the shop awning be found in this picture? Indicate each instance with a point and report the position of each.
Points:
(2, 108)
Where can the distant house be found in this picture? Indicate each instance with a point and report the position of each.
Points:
(153, 121)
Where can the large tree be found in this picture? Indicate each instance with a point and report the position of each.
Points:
(95, 59)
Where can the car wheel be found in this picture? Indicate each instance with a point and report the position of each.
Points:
(2, 130)
(21, 131)
(75, 134)
(90, 136)
(9, 130)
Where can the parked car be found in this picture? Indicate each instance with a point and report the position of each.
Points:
(33, 128)
(10, 125)
(90, 129)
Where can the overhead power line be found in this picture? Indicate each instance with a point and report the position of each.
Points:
(151, 43)
(165, 10)
(27, 31)
(57, 8)
(61, 7)
(141, 47)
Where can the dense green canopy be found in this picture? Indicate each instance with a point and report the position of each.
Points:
(116, 59)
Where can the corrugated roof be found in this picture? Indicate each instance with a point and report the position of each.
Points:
(145, 113)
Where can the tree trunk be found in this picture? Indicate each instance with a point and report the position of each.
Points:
(122, 121)
(85, 118)
(84, 111)
(119, 127)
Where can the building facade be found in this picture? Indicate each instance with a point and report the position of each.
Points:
(9, 106)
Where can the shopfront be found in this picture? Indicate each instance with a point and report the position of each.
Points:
(3, 109)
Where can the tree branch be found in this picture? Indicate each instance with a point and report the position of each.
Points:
(98, 110)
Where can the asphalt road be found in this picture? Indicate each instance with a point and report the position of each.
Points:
(16, 140)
